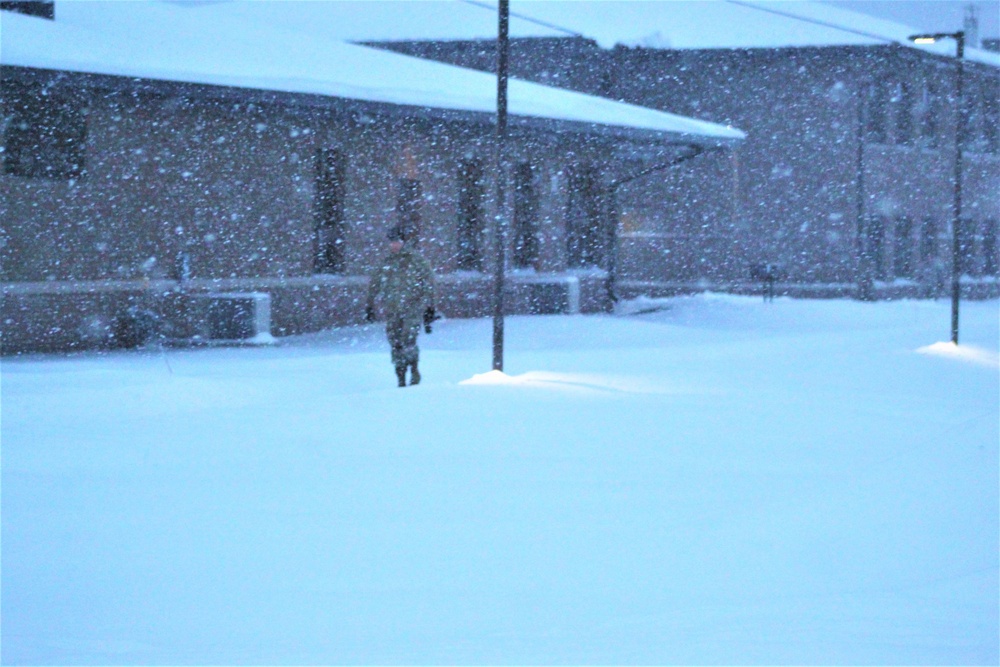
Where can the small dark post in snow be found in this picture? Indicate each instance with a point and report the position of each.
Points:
(499, 231)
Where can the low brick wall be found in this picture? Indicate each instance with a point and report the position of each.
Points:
(65, 316)
(980, 290)
(60, 317)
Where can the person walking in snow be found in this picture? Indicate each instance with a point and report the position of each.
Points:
(404, 287)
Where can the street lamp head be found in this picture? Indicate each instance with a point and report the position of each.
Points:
(934, 37)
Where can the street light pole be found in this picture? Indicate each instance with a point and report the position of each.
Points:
(956, 240)
(499, 230)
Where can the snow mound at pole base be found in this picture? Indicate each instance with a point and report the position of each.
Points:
(970, 354)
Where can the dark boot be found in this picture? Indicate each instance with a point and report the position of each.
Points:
(401, 375)
(414, 374)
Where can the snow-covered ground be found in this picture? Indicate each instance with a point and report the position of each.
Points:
(718, 481)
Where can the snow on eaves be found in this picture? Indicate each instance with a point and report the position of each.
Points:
(165, 43)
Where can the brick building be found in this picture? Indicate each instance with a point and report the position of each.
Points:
(846, 177)
(146, 170)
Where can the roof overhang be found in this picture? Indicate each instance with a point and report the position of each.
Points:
(330, 73)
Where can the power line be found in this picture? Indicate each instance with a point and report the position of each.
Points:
(523, 17)
(748, 5)
(825, 24)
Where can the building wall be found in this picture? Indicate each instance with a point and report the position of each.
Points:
(186, 190)
(164, 175)
(677, 225)
(682, 225)
(795, 201)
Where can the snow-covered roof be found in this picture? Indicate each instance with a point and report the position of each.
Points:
(163, 41)
(675, 24)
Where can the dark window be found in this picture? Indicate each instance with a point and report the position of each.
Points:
(903, 255)
(408, 200)
(967, 246)
(45, 10)
(44, 133)
(329, 236)
(471, 196)
(928, 240)
(991, 259)
(525, 217)
(930, 112)
(876, 112)
(991, 126)
(982, 116)
(974, 131)
(584, 241)
(903, 103)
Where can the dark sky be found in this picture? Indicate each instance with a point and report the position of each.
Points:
(929, 15)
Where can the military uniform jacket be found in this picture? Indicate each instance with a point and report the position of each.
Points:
(404, 285)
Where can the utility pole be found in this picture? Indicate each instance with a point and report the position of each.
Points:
(956, 263)
(499, 226)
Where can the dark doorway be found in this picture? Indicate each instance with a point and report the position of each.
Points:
(329, 241)
(584, 238)
(525, 217)
(471, 197)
